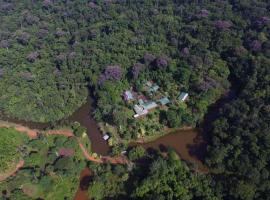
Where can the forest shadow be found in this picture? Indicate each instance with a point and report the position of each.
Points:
(198, 148)
(85, 181)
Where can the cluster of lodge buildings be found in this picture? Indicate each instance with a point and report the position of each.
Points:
(144, 106)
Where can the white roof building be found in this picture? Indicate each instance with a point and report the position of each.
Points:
(183, 96)
(106, 137)
(140, 111)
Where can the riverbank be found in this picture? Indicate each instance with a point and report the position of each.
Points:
(187, 143)
(85, 178)
(100, 147)
(83, 115)
(33, 133)
(166, 131)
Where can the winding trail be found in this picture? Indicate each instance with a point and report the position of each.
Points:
(65, 132)
(103, 159)
(11, 172)
(33, 133)
(87, 155)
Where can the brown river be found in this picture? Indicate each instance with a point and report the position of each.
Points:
(189, 144)
(83, 116)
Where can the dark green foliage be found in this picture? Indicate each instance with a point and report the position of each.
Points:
(48, 56)
(51, 50)
(174, 118)
(108, 183)
(78, 129)
(136, 153)
(64, 163)
(163, 178)
(239, 137)
(46, 174)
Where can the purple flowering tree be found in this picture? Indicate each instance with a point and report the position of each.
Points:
(203, 13)
(4, 44)
(256, 45)
(184, 52)
(101, 79)
(207, 84)
(47, 3)
(223, 25)
(136, 69)
(42, 33)
(161, 62)
(31, 57)
(72, 55)
(60, 33)
(23, 37)
(31, 19)
(112, 72)
(148, 58)
(6, 6)
(263, 21)
(60, 58)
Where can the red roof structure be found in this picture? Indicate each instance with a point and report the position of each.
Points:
(66, 152)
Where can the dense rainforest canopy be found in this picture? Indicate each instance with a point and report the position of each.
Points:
(51, 52)
(160, 178)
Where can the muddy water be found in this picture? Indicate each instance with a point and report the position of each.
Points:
(85, 178)
(83, 116)
(189, 145)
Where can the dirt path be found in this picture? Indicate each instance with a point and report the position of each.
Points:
(87, 154)
(103, 159)
(32, 133)
(65, 132)
(11, 172)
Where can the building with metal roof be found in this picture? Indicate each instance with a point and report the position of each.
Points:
(106, 137)
(183, 96)
(149, 105)
(140, 111)
(163, 101)
(153, 88)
